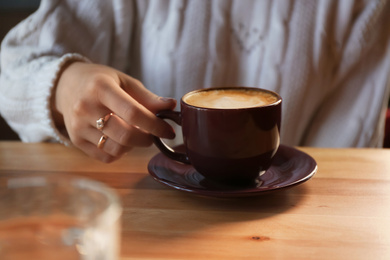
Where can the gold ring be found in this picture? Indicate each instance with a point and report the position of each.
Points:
(101, 142)
(101, 121)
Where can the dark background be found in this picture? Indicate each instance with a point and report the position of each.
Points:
(11, 13)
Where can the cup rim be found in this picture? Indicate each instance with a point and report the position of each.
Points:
(112, 211)
(279, 98)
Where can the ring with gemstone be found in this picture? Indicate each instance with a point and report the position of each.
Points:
(102, 121)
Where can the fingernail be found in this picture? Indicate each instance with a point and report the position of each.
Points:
(170, 134)
(167, 99)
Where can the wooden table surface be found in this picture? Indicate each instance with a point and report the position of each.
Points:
(343, 212)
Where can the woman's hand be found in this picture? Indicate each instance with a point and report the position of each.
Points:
(86, 92)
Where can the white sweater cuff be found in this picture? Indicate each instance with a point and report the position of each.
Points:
(57, 68)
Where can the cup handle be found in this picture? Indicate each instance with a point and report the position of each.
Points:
(163, 147)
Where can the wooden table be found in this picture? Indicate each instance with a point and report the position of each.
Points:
(343, 212)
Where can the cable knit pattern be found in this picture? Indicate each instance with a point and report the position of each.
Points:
(329, 59)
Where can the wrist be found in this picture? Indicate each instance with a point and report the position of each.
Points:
(56, 107)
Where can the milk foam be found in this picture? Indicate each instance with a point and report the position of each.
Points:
(230, 99)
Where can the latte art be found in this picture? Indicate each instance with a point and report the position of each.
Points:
(230, 99)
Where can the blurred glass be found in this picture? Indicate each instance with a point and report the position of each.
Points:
(58, 217)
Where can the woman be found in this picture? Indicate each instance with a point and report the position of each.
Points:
(94, 73)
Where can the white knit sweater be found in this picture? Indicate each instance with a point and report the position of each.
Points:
(329, 59)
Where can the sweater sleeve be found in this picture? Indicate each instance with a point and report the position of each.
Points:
(33, 53)
(26, 93)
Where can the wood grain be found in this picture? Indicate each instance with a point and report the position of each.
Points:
(343, 212)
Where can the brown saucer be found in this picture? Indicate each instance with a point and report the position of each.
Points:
(290, 167)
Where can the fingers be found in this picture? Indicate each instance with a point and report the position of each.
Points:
(151, 101)
(121, 138)
(134, 113)
(109, 150)
(124, 134)
(86, 92)
(99, 154)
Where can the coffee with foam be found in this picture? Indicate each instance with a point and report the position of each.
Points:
(230, 98)
(230, 134)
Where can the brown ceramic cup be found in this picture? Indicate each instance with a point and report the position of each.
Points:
(230, 134)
